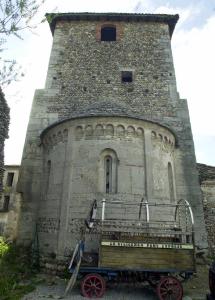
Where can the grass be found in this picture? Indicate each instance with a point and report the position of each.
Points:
(17, 277)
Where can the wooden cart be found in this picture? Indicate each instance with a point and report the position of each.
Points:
(155, 247)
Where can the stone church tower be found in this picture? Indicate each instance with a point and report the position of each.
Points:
(109, 123)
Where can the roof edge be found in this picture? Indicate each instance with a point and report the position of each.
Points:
(53, 18)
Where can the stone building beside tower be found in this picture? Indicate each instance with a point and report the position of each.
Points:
(109, 123)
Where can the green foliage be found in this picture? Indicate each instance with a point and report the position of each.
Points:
(3, 247)
(50, 17)
(15, 16)
(9, 71)
(16, 273)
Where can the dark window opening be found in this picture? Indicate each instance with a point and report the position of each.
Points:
(108, 170)
(127, 76)
(6, 203)
(108, 34)
(171, 183)
(10, 177)
(48, 171)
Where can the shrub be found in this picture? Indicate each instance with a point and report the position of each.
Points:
(15, 270)
(3, 247)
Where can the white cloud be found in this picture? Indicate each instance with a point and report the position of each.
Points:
(188, 13)
(91, 6)
(195, 64)
(34, 60)
(144, 6)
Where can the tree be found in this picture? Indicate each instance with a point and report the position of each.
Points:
(15, 16)
(4, 124)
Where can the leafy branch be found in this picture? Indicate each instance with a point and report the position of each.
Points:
(15, 16)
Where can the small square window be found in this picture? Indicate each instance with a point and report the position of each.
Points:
(108, 33)
(127, 76)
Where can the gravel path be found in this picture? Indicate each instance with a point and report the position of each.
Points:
(54, 287)
(120, 292)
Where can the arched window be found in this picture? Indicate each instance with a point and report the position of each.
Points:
(108, 169)
(171, 183)
(108, 173)
(108, 33)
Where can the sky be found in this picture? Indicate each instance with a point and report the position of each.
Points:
(193, 46)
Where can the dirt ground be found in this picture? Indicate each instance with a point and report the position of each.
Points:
(53, 288)
(197, 287)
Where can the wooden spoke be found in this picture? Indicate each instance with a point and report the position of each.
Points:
(93, 286)
(169, 288)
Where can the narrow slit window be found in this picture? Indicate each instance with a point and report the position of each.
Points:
(171, 183)
(6, 203)
(108, 171)
(108, 174)
(126, 76)
(108, 34)
(48, 171)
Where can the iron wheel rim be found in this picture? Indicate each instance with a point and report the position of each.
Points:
(169, 288)
(93, 286)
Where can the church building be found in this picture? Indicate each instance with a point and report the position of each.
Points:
(108, 124)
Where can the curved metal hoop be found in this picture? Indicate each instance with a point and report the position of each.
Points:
(186, 204)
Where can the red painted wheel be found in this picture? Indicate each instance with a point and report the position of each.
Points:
(93, 286)
(169, 288)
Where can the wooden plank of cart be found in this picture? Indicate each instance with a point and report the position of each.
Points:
(159, 250)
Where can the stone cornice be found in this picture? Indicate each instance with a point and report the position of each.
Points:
(53, 18)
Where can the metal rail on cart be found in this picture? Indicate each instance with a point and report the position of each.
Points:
(145, 248)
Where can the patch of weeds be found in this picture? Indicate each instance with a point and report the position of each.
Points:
(211, 258)
(15, 270)
(3, 247)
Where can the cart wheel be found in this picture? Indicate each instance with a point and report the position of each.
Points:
(93, 286)
(169, 288)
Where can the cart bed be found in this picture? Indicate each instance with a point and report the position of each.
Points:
(144, 256)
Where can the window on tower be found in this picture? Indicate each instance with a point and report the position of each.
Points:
(10, 177)
(108, 33)
(126, 76)
(171, 183)
(107, 171)
(108, 174)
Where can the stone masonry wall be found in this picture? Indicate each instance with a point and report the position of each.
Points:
(9, 214)
(207, 180)
(84, 79)
(74, 153)
(86, 72)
